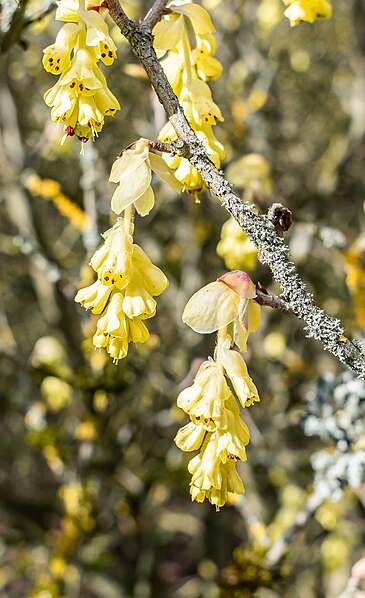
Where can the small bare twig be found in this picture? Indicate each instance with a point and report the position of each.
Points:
(160, 146)
(282, 544)
(155, 14)
(270, 300)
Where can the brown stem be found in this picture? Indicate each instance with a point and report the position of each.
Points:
(272, 249)
(160, 146)
(273, 301)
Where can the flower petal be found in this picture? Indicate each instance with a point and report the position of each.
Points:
(165, 173)
(131, 188)
(145, 202)
(211, 308)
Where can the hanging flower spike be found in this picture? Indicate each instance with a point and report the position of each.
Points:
(80, 99)
(184, 39)
(132, 172)
(217, 430)
(225, 302)
(123, 294)
(307, 10)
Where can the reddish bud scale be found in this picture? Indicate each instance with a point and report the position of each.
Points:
(240, 283)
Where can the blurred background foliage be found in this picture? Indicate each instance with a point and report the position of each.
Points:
(94, 497)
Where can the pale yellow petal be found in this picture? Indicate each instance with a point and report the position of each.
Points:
(198, 15)
(190, 437)
(168, 33)
(127, 163)
(211, 308)
(131, 188)
(165, 173)
(145, 202)
(253, 316)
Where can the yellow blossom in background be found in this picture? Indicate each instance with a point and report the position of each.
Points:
(123, 293)
(51, 189)
(355, 277)
(235, 248)
(307, 10)
(252, 173)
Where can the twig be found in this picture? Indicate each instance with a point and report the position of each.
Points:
(270, 300)
(272, 249)
(160, 146)
(48, 8)
(280, 547)
(155, 13)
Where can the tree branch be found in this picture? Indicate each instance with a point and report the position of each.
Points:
(272, 249)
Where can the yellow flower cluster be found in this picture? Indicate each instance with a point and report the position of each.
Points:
(355, 277)
(80, 99)
(216, 427)
(307, 10)
(123, 293)
(51, 189)
(185, 34)
(127, 279)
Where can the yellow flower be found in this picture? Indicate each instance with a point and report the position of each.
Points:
(225, 302)
(307, 10)
(235, 247)
(216, 426)
(113, 260)
(57, 56)
(170, 31)
(211, 478)
(236, 370)
(198, 94)
(94, 297)
(132, 172)
(186, 33)
(207, 66)
(204, 400)
(80, 99)
(251, 172)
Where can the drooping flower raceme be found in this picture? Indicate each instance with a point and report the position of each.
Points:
(216, 428)
(184, 39)
(127, 280)
(123, 293)
(80, 99)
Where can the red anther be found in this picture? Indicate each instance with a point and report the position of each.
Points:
(83, 139)
(70, 131)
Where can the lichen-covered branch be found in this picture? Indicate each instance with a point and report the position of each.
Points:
(273, 251)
